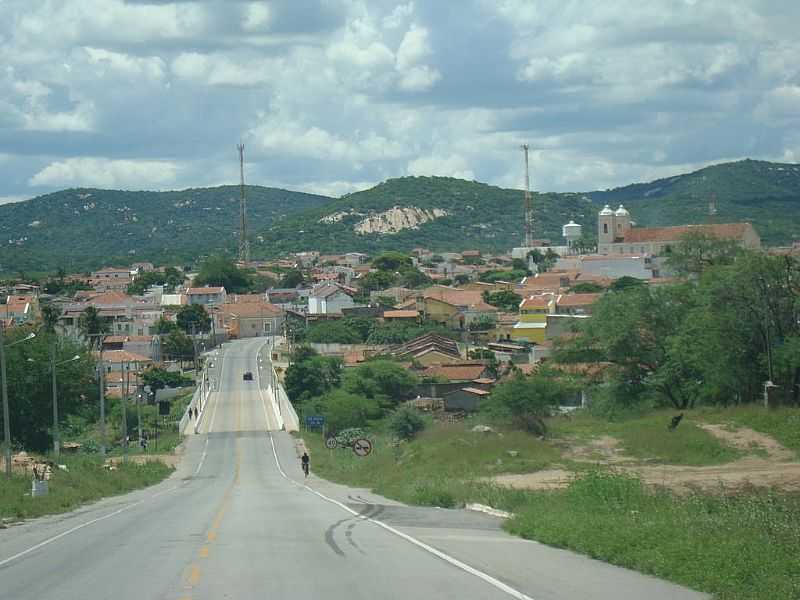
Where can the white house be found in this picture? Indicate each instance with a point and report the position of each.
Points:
(328, 299)
(207, 296)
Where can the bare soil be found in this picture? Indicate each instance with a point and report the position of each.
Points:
(769, 465)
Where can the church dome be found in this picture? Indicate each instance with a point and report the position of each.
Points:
(622, 212)
(606, 212)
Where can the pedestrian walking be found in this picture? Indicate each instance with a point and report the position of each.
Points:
(191, 413)
(195, 412)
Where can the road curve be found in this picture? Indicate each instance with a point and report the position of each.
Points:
(237, 521)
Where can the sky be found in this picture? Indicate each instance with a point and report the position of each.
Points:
(333, 96)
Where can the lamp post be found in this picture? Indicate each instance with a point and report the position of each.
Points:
(6, 417)
(53, 365)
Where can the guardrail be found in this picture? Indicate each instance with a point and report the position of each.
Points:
(284, 410)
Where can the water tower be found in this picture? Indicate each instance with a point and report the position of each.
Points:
(572, 232)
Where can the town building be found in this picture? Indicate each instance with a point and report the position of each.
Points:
(329, 299)
(207, 296)
(249, 319)
(110, 279)
(616, 234)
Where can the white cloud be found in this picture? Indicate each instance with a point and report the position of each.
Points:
(12, 199)
(219, 70)
(445, 166)
(414, 48)
(420, 78)
(256, 16)
(399, 15)
(150, 67)
(102, 172)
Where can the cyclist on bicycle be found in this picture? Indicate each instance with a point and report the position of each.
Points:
(305, 461)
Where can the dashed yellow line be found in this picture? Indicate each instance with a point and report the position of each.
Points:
(192, 579)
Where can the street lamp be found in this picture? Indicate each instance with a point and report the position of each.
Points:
(6, 417)
(53, 365)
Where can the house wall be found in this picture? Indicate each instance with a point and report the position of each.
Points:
(337, 302)
(461, 400)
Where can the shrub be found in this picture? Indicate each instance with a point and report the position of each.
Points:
(406, 423)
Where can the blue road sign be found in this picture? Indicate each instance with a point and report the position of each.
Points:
(313, 421)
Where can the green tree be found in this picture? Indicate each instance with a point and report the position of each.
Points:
(405, 423)
(159, 379)
(391, 261)
(310, 375)
(92, 325)
(164, 326)
(221, 271)
(382, 380)
(586, 287)
(30, 386)
(527, 401)
(411, 277)
(698, 251)
(178, 345)
(504, 299)
(50, 316)
(193, 315)
(377, 280)
(343, 410)
(332, 332)
(292, 278)
(625, 283)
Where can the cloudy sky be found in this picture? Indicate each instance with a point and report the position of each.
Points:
(332, 96)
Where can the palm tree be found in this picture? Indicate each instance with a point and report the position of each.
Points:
(50, 316)
(92, 325)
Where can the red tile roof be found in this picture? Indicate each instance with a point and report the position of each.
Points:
(400, 314)
(578, 299)
(673, 234)
(251, 310)
(456, 372)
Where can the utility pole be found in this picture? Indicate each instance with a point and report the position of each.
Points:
(244, 245)
(125, 378)
(6, 417)
(56, 436)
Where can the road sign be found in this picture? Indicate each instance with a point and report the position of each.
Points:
(362, 447)
(331, 443)
(315, 421)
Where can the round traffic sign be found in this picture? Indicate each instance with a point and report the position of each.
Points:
(331, 443)
(362, 447)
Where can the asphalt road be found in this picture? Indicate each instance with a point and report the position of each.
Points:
(237, 521)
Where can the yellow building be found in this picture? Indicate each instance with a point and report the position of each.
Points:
(532, 322)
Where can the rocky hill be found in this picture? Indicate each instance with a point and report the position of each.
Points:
(84, 228)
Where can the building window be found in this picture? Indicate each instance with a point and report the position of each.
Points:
(605, 227)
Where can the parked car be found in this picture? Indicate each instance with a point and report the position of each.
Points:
(248, 376)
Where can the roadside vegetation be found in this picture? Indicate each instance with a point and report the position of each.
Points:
(85, 480)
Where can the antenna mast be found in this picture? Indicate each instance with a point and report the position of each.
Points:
(244, 245)
(528, 241)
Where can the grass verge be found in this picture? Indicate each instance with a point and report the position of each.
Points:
(783, 424)
(737, 548)
(85, 481)
(648, 438)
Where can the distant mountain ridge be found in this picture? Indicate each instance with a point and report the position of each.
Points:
(85, 228)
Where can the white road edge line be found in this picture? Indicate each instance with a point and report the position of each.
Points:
(202, 458)
(430, 549)
(5, 561)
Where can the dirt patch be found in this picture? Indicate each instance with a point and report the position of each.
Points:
(548, 479)
(171, 460)
(604, 449)
(775, 468)
(749, 440)
(748, 472)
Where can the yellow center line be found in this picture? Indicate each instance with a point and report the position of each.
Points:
(194, 575)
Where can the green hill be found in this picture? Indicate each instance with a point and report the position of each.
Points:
(85, 228)
(477, 215)
(80, 229)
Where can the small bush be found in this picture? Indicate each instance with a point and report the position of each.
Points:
(406, 423)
